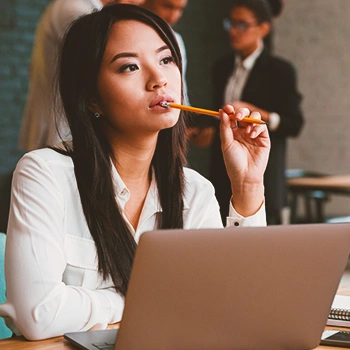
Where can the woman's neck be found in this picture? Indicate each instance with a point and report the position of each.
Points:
(246, 53)
(133, 163)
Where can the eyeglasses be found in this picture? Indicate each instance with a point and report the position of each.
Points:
(239, 25)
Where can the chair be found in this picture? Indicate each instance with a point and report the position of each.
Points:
(4, 331)
(338, 219)
(5, 195)
(314, 200)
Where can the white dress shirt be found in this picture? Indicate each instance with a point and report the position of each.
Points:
(237, 81)
(43, 107)
(53, 285)
(182, 47)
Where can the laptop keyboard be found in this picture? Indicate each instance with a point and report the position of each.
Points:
(103, 346)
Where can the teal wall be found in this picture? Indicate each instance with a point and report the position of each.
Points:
(18, 19)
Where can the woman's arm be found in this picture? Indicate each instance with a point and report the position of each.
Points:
(39, 303)
(202, 208)
(245, 149)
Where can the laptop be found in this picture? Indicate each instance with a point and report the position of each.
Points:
(248, 288)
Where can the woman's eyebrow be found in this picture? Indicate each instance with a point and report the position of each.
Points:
(133, 54)
(123, 54)
(163, 48)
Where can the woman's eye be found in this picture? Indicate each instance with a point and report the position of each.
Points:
(168, 60)
(129, 68)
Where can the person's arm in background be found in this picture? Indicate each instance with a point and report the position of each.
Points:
(288, 105)
(39, 303)
(184, 66)
(63, 13)
(286, 120)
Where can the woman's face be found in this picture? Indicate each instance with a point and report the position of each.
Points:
(137, 73)
(247, 33)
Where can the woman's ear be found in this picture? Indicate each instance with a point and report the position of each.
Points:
(94, 106)
(265, 28)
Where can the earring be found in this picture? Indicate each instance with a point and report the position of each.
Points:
(97, 115)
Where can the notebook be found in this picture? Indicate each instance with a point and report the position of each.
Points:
(233, 288)
(340, 311)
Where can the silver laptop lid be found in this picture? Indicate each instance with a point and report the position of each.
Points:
(246, 288)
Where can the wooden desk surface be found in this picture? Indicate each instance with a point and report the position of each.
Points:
(20, 343)
(59, 343)
(305, 188)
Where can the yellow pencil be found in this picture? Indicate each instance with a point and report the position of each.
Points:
(207, 112)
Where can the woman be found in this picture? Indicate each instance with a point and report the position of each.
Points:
(254, 78)
(78, 211)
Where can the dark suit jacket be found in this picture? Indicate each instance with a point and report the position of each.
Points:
(271, 86)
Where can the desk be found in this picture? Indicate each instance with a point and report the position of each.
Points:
(318, 189)
(59, 343)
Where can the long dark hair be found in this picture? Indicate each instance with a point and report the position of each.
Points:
(81, 57)
(260, 8)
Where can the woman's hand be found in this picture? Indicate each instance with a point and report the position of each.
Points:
(245, 148)
(239, 104)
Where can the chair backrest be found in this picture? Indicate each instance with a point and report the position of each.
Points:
(5, 195)
(4, 331)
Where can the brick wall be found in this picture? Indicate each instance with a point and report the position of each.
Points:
(18, 19)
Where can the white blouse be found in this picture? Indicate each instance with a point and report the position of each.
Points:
(53, 285)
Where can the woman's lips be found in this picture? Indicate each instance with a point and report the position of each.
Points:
(156, 103)
(159, 107)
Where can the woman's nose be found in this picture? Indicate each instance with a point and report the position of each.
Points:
(156, 80)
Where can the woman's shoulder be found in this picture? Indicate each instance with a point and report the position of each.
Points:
(195, 180)
(45, 168)
(44, 157)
